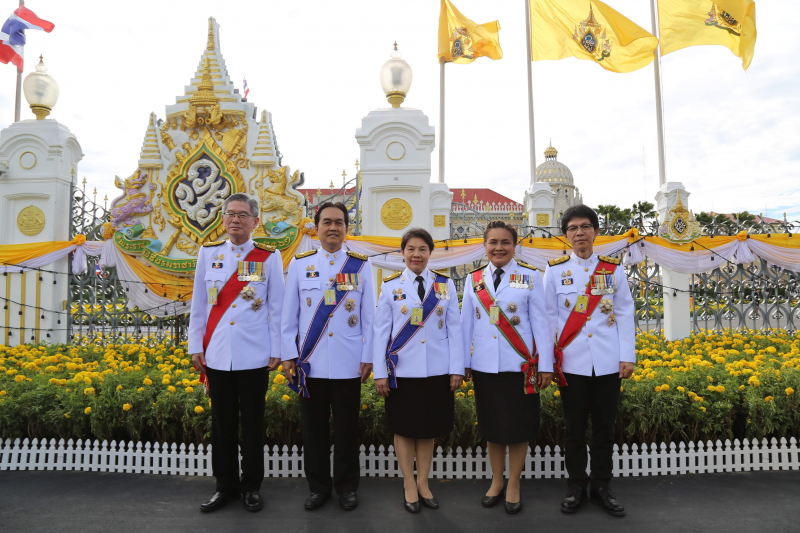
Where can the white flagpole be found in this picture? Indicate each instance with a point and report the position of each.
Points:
(18, 103)
(530, 92)
(662, 165)
(441, 119)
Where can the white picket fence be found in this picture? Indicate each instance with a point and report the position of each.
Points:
(194, 460)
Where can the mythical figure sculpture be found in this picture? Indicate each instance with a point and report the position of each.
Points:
(132, 202)
(278, 196)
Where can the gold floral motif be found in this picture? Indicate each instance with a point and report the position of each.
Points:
(606, 306)
(30, 221)
(512, 307)
(396, 213)
(611, 319)
(248, 293)
(256, 305)
(352, 321)
(440, 311)
(350, 304)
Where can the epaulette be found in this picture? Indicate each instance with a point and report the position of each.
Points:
(526, 265)
(441, 273)
(390, 277)
(558, 260)
(476, 269)
(607, 259)
(363, 257)
(305, 254)
(215, 243)
(265, 247)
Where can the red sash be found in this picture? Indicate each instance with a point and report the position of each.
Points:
(509, 332)
(227, 296)
(576, 321)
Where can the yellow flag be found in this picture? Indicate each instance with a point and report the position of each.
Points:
(595, 32)
(463, 41)
(731, 23)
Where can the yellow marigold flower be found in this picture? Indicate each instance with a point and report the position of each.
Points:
(285, 398)
(140, 389)
(470, 392)
(789, 391)
(88, 391)
(459, 395)
(620, 389)
(768, 399)
(126, 407)
(199, 409)
(698, 399)
(66, 415)
(119, 387)
(364, 407)
(19, 377)
(741, 387)
(702, 408)
(720, 388)
(681, 389)
(87, 410)
(3, 393)
(665, 387)
(463, 384)
(658, 388)
(557, 393)
(280, 368)
(189, 389)
(147, 381)
(171, 388)
(279, 379)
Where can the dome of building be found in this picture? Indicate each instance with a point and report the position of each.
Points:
(553, 172)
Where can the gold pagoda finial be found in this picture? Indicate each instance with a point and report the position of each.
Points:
(210, 46)
(395, 46)
(205, 91)
(463, 194)
(331, 186)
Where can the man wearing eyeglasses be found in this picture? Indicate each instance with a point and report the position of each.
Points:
(234, 339)
(589, 297)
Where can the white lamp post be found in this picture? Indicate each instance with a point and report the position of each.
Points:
(396, 78)
(41, 90)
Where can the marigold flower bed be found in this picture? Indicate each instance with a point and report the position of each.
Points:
(709, 386)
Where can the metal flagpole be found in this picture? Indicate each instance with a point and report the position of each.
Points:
(18, 105)
(530, 91)
(662, 166)
(441, 119)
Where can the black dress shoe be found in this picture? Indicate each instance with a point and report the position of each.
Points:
(513, 508)
(428, 502)
(491, 501)
(315, 500)
(411, 507)
(573, 500)
(604, 497)
(253, 501)
(348, 501)
(218, 501)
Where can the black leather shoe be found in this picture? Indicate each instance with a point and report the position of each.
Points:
(315, 500)
(411, 507)
(513, 508)
(253, 501)
(573, 500)
(348, 501)
(428, 502)
(218, 501)
(491, 501)
(605, 498)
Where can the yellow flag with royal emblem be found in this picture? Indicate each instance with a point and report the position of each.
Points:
(730, 23)
(463, 41)
(591, 31)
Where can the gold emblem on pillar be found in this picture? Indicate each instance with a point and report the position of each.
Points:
(396, 213)
(30, 221)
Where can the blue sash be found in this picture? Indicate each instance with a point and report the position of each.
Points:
(408, 331)
(319, 322)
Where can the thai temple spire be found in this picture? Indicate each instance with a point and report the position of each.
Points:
(150, 156)
(264, 152)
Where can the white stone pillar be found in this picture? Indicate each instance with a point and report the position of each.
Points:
(39, 159)
(677, 304)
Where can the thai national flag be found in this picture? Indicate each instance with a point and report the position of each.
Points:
(12, 35)
(246, 90)
(98, 271)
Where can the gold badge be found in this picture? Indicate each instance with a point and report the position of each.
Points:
(606, 306)
(248, 293)
(352, 321)
(515, 320)
(611, 319)
(350, 304)
(511, 308)
(404, 309)
(394, 291)
(308, 302)
(441, 323)
(566, 303)
(257, 303)
(440, 310)
(477, 313)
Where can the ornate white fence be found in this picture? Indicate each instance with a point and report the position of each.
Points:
(172, 459)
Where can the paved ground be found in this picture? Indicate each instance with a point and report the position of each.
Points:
(86, 502)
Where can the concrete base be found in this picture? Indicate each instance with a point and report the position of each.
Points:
(677, 305)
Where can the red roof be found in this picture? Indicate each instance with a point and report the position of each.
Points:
(484, 196)
(324, 193)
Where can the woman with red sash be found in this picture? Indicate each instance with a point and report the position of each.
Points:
(504, 323)
(419, 362)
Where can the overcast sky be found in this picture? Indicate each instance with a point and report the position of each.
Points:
(732, 136)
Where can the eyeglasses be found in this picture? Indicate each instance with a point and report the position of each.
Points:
(240, 216)
(585, 228)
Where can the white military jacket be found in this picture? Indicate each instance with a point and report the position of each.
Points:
(346, 341)
(491, 351)
(436, 348)
(249, 332)
(603, 342)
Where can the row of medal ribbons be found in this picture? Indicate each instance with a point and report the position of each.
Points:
(603, 284)
(348, 282)
(521, 281)
(251, 271)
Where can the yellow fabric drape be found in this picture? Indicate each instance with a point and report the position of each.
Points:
(463, 41)
(15, 254)
(160, 283)
(779, 239)
(593, 32)
(729, 23)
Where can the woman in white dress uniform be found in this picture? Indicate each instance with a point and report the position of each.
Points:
(500, 322)
(419, 362)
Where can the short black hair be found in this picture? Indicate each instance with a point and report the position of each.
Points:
(579, 211)
(337, 205)
(416, 233)
(499, 224)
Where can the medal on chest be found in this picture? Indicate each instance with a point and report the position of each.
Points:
(347, 282)
(442, 290)
(250, 271)
(603, 283)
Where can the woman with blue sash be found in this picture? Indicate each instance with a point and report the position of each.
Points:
(504, 324)
(419, 362)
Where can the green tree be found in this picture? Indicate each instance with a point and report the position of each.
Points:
(744, 218)
(643, 212)
(707, 219)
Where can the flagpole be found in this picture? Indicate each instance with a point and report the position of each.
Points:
(441, 119)
(530, 92)
(18, 103)
(662, 170)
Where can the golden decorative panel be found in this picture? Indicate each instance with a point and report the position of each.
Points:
(30, 221)
(542, 219)
(396, 213)
(438, 221)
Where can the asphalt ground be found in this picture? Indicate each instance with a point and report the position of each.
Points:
(750, 502)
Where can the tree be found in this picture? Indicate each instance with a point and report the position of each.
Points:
(643, 211)
(744, 218)
(706, 219)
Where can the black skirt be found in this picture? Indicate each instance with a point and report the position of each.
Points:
(420, 408)
(506, 415)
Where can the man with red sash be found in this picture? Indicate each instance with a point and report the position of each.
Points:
(595, 349)
(234, 339)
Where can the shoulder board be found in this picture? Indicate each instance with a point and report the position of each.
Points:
(442, 273)
(305, 254)
(607, 259)
(392, 276)
(558, 260)
(477, 269)
(363, 257)
(215, 243)
(265, 247)
(526, 265)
